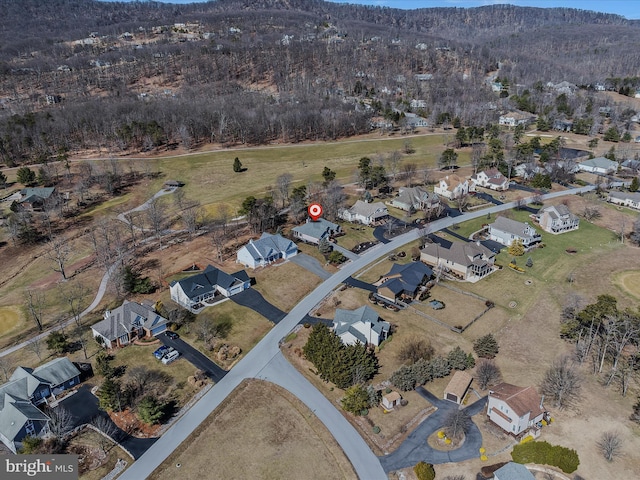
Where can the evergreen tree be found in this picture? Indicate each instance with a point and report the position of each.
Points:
(403, 378)
(440, 367)
(328, 175)
(457, 358)
(355, 400)
(632, 188)
(529, 262)
(57, 342)
(3, 180)
(237, 165)
(26, 176)
(424, 471)
(486, 347)
(150, 410)
(103, 364)
(516, 249)
(110, 394)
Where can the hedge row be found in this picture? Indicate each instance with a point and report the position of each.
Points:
(544, 453)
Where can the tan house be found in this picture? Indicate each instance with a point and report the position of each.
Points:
(557, 219)
(467, 261)
(458, 386)
(365, 213)
(454, 186)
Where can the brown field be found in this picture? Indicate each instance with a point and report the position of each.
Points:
(259, 431)
(629, 281)
(284, 285)
(460, 309)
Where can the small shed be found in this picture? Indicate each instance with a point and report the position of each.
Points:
(390, 400)
(458, 386)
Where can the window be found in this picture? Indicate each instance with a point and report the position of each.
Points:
(30, 428)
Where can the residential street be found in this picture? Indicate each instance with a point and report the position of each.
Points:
(265, 351)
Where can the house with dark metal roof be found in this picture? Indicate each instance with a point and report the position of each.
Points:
(129, 321)
(266, 250)
(26, 389)
(361, 325)
(208, 287)
(404, 281)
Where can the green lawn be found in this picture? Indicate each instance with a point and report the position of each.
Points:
(209, 177)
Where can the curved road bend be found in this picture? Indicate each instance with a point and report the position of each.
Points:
(364, 462)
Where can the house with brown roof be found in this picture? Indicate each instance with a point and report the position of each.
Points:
(557, 219)
(515, 409)
(492, 179)
(457, 387)
(453, 186)
(468, 261)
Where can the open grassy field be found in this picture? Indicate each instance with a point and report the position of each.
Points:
(459, 310)
(210, 177)
(629, 281)
(259, 431)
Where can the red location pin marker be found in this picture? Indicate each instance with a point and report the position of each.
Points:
(315, 211)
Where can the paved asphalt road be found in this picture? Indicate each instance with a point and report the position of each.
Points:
(195, 357)
(265, 351)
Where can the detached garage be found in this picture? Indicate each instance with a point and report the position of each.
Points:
(458, 386)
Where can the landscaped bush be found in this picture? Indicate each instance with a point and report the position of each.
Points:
(376, 429)
(424, 471)
(544, 453)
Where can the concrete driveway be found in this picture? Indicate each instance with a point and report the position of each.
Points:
(310, 264)
(254, 300)
(195, 357)
(84, 406)
(415, 447)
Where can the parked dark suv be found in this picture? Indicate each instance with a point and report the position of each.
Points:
(172, 335)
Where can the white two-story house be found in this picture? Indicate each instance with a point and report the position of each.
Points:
(506, 231)
(515, 409)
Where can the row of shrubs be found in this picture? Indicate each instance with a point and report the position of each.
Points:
(544, 453)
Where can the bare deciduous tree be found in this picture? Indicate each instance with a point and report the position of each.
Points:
(60, 421)
(487, 373)
(35, 304)
(35, 346)
(74, 295)
(591, 213)
(610, 444)
(408, 172)
(562, 383)
(283, 184)
(457, 423)
(5, 365)
(59, 252)
(156, 216)
(111, 432)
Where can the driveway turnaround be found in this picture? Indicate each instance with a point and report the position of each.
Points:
(84, 407)
(254, 300)
(195, 357)
(311, 264)
(260, 355)
(416, 449)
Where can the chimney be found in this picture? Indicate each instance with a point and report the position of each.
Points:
(541, 402)
(107, 314)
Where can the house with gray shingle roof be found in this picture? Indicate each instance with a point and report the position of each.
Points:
(599, 165)
(627, 199)
(361, 325)
(404, 281)
(129, 321)
(513, 471)
(506, 231)
(35, 198)
(198, 291)
(266, 250)
(466, 260)
(365, 213)
(313, 231)
(414, 199)
(27, 388)
(557, 219)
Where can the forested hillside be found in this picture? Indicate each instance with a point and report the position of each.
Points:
(86, 75)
